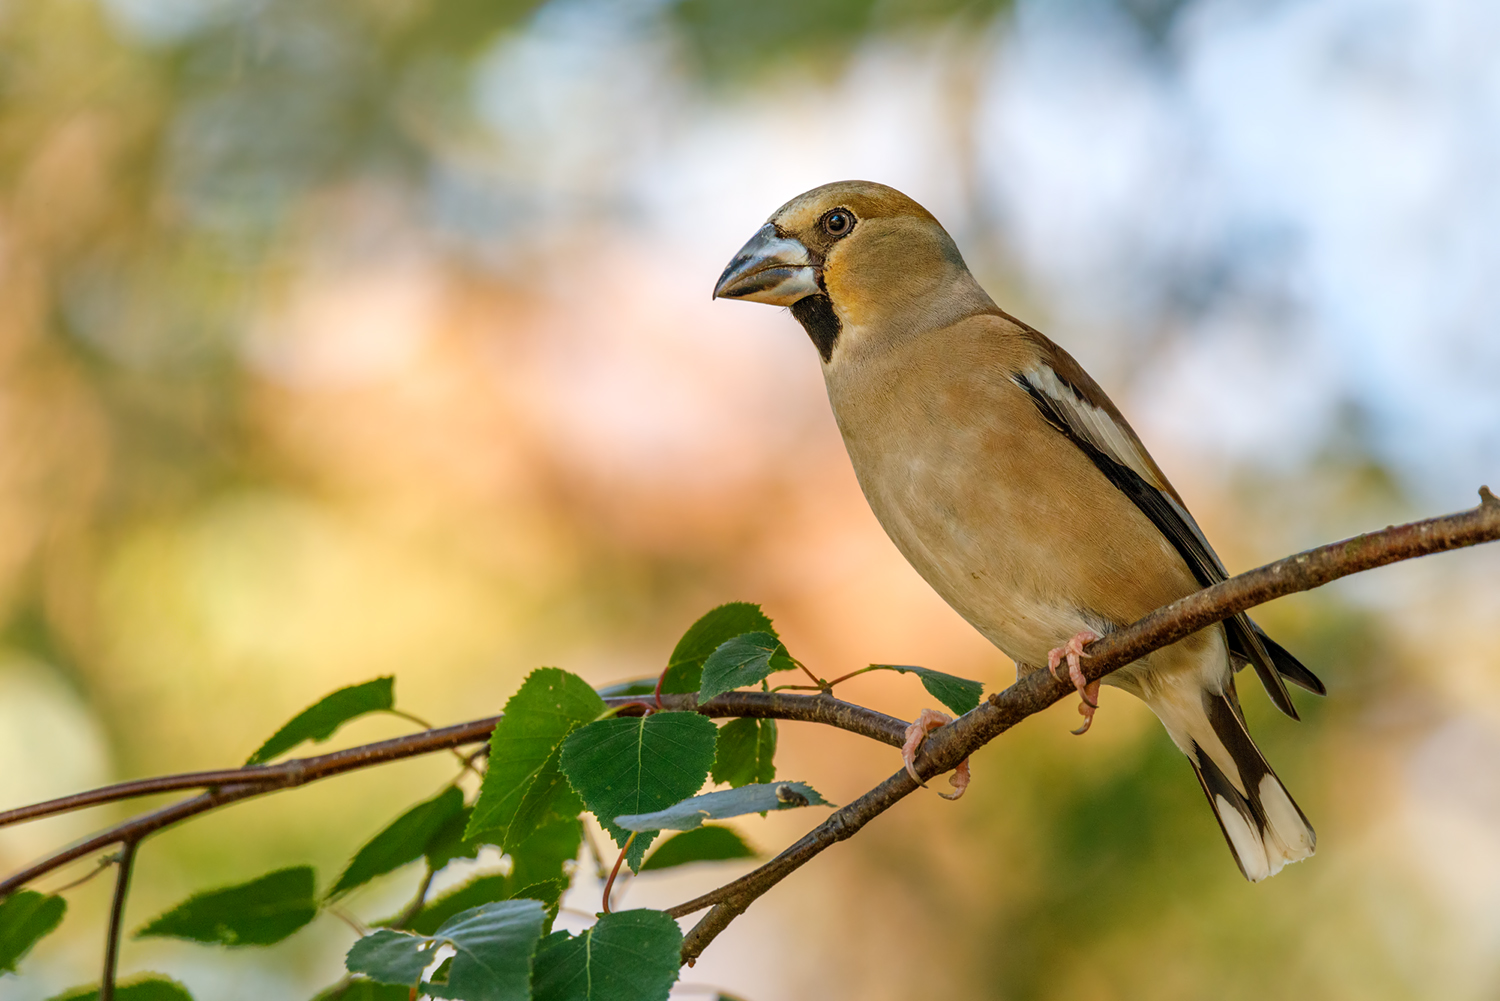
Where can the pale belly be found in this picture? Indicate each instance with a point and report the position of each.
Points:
(1012, 587)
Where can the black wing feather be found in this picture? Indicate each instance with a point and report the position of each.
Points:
(1247, 643)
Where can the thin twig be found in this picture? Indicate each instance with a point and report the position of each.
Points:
(287, 774)
(117, 920)
(232, 785)
(132, 830)
(821, 685)
(463, 759)
(349, 919)
(279, 776)
(609, 884)
(415, 907)
(104, 863)
(1035, 691)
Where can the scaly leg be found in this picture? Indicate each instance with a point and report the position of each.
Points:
(1072, 651)
(917, 732)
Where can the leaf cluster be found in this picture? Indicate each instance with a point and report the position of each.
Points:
(558, 754)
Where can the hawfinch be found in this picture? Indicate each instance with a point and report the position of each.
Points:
(1014, 486)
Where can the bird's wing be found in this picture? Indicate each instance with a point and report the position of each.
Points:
(1075, 405)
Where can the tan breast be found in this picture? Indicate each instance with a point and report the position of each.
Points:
(1008, 520)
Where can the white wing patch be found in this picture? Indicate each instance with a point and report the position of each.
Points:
(1093, 424)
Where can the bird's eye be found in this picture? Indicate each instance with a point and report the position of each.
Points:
(838, 222)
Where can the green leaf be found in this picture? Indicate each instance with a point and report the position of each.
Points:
(365, 990)
(392, 957)
(259, 912)
(638, 764)
(959, 694)
(536, 862)
(523, 784)
(685, 666)
(706, 844)
(549, 894)
(26, 917)
(744, 660)
(495, 947)
(448, 842)
(691, 813)
(319, 721)
(404, 840)
(745, 752)
(486, 889)
(544, 855)
(150, 987)
(765, 752)
(621, 689)
(494, 944)
(625, 956)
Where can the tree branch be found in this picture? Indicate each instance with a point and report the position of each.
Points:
(948, 745)
(288, 774)
(234, 784)
(116, 921)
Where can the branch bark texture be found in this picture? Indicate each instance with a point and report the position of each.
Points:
(234, 784)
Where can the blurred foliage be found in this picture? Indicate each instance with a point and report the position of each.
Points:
(734, 40)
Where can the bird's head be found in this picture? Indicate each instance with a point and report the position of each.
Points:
(855, 261)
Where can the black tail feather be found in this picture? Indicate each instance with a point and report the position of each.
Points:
(1287, 666)
(1245, 643)
(1263, 834)
(1252, 646)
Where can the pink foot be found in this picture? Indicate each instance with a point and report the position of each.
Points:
(917, 732)
(1072, 652)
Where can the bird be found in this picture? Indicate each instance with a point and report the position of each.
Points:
(1016, 488)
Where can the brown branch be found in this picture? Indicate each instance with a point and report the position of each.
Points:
(288, 774)
(134, 829)
(116, 921)
(948, 745)
(285, 775)
(234, 784)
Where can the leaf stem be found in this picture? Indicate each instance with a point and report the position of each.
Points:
(818, 682)
(415, 907)
(826, 686)
(104, 863)
(610, 884)
(117, 920)
(347, 918)
(661, 679)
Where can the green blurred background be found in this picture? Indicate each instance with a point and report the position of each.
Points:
(349, 338)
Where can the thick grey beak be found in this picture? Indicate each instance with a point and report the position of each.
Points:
(770, 268)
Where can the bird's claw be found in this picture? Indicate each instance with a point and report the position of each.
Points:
(917, 732)
(1087, 707)
(1072, 652)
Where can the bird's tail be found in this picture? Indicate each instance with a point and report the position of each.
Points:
(1263, 825)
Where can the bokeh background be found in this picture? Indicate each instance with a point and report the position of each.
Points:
(350, 337)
